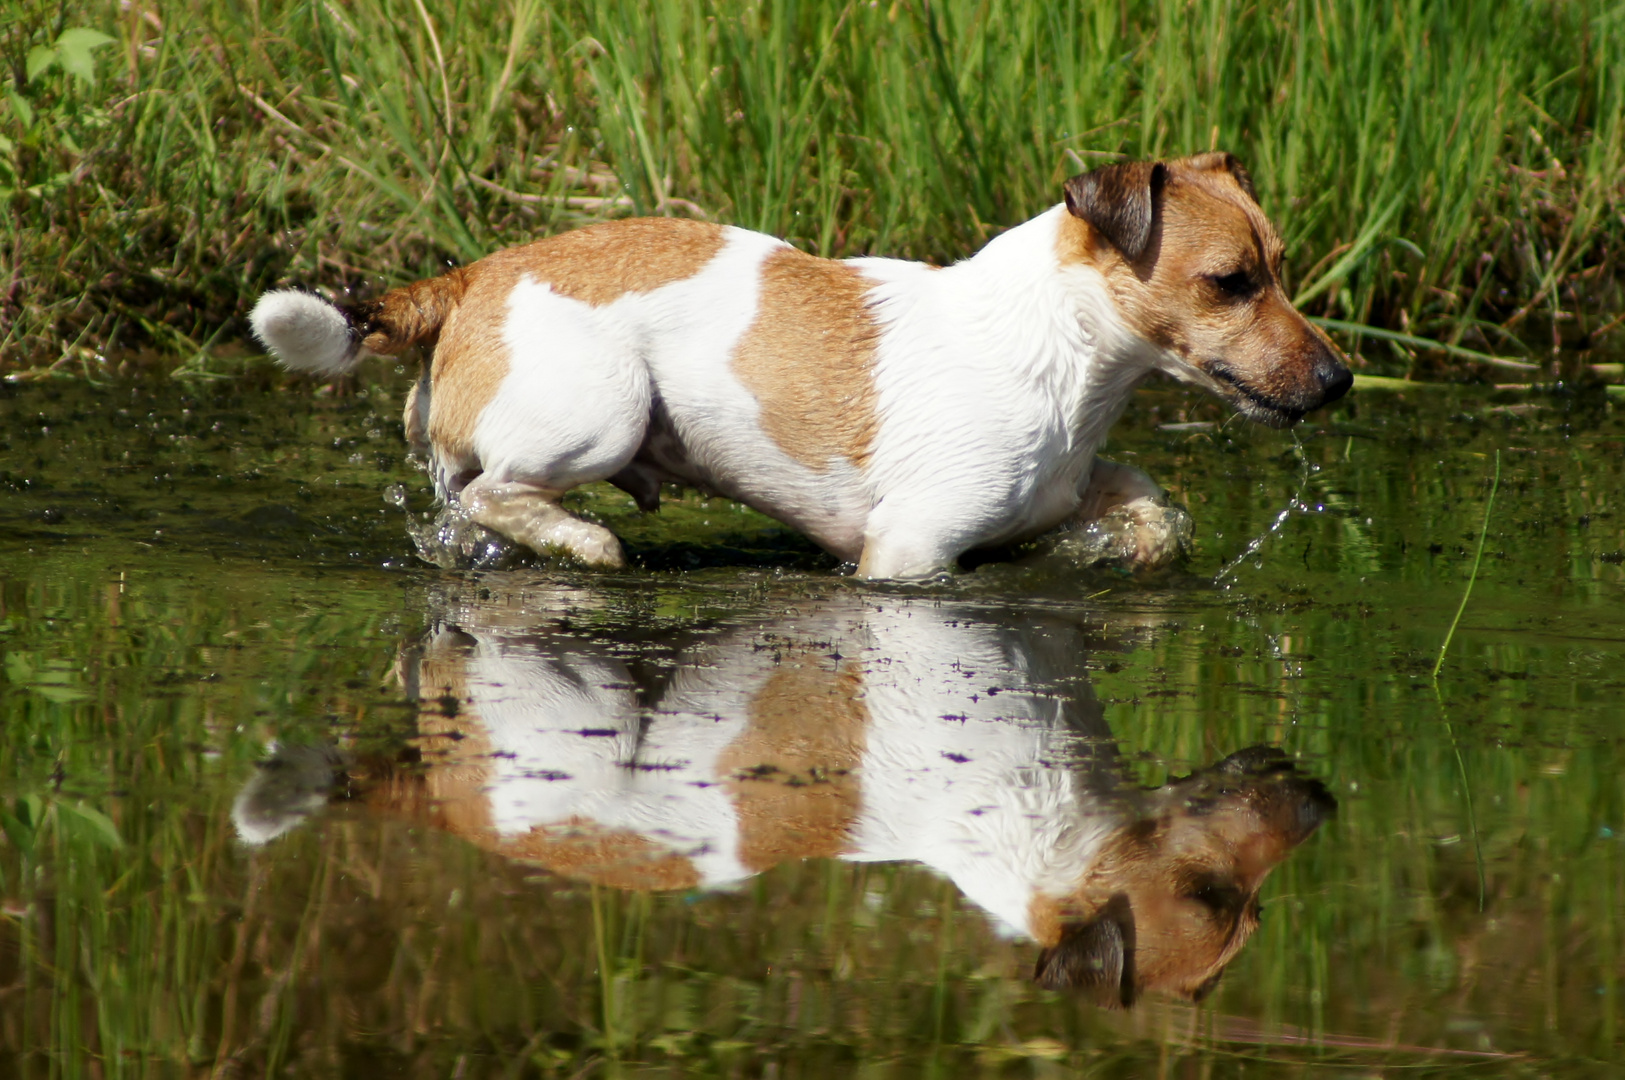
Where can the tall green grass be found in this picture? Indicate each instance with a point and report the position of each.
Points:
(1443, 169)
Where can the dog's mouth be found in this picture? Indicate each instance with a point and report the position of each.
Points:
(1259, 408)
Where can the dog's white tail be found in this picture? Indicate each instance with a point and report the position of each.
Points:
(306, 333)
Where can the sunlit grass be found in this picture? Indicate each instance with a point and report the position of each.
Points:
(1444, 170)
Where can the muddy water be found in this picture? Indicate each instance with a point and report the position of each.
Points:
(279, 797)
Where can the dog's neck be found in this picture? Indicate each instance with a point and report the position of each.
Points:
(1008, 858)
(1056, 322)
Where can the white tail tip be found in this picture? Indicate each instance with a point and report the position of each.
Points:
(305, 332)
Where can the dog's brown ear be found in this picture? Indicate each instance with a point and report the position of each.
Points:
(1120, 202)
(1095, 958)
(1219, 160)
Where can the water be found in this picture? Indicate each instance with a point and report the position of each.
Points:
(279, 797)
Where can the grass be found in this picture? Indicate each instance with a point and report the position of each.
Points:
(1447, 172)
(1478, 559)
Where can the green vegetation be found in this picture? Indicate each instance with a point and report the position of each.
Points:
(1478, 560)
(1449, 171)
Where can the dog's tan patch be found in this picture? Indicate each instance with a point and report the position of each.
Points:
(792, 772)
(809, 359)
(618, 858)
(602, 263)
(449, 791)
(452, 742)
(450, 794)
(596, 265)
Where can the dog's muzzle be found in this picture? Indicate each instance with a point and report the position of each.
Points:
(1275, 401)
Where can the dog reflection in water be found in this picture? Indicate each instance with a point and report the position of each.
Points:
(871, 732)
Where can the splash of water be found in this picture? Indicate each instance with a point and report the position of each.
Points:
(1256, 544)
(453, 540)
(1294, 505)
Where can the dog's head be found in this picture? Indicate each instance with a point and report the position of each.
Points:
(1174, 896)
(1193, 267)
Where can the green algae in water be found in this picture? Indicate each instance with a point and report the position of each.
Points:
(187, 576)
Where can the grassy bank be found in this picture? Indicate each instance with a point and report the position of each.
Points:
(1438, 169)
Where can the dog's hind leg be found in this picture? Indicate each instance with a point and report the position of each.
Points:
(565, 400)
(415, 419)
(532, 516)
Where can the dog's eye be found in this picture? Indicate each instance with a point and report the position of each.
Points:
(1217, 897)
(1237, 285)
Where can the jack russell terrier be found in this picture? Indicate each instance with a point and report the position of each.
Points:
(897, 413)
(913, 733)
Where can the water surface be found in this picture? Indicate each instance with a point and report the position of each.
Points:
(277, 795)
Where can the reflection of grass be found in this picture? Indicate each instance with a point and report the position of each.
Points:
(1444, 648)
(141, 683)
(364, 937)
(1440, 169)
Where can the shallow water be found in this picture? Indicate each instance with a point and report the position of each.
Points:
(278, 796)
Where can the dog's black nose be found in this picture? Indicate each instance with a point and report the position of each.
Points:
(1334, 378)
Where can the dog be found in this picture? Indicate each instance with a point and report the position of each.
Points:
(897, 413)
(909, 732)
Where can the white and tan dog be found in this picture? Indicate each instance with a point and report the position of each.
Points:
(897, 413)
(907, 732)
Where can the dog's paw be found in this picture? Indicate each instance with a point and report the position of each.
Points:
(1142, 534)
(585, 542)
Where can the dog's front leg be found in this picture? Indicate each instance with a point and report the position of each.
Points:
(1124, 516)
(901, 556)
(913, 538)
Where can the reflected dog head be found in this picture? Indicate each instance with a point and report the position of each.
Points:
(1174, 895)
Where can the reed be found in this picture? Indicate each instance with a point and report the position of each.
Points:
(1449, 171)
(1472, 577)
